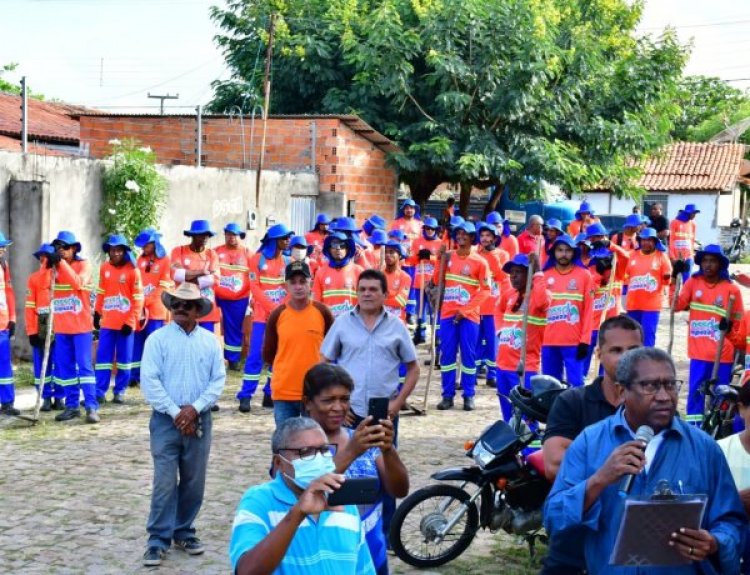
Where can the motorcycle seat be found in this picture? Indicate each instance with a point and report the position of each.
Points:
(536, 462)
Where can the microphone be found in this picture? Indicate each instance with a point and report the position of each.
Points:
(644, 434)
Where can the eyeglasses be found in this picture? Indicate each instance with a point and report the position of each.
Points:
(652, 386)
(338, 246)
(308, 453)
(63, 246)
(180, 304)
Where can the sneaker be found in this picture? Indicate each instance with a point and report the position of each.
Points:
(215, 407)
(446, 403)
(245, 405)
(46, 404)
(267, 401)
(68, 414)
(119, 398)
(191, 545)
(8, 409)
(92, 416)
(234, 366)
(469, 404)
(57, 404)
(153, 556)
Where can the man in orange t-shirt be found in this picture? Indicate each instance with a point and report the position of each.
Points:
(293, 336)
(567, 336)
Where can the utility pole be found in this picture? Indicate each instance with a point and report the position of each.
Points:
(266, 102)
(199, 135)
(24, 116)
(167, 96)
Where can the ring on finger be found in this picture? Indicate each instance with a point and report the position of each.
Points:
(691, 551)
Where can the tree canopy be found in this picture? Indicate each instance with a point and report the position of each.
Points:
(479, 92)
(10, 87)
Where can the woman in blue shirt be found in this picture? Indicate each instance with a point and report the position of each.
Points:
(366, 451)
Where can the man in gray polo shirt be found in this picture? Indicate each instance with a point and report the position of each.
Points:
(370, 344)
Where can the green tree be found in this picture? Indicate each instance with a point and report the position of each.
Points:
(478, 92)
(10, 87)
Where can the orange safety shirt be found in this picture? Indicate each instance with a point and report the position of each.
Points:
(628, 243)
(740, 338)
(412, 228)
(7, 298)
(399, 283)
(267, 284)
(708, 304)
(316, 239)
(499, 281)
(156, 277)
(647, 276)
(234, 269)
(681, 239)
(72, 299)
(119, 297)
(183, 258)
(577, 226)
(337, 287)
(467, 286)
(510, 325)
(613, 303)
(509, 244)
(569, 317)
(424, 269)
(38, 297)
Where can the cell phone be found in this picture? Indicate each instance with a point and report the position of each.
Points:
(378, 408)
(355, 491)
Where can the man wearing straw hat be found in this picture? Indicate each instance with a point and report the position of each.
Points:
(182, 376)
(7, 330)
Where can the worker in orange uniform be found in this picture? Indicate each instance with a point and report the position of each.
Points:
(316, 236)
(198, 264)
(740, 337)
(335, 284)
(682, 240)
(301, 251)
(649, 272)
(496, 258)
(7, 331)
(706, 294)
(584, 217)
(511, 307)
(73, 327)
(233, 291)
(567, 336)
(156, 276)
(37, 314)
(118, 309)
(398, 280)
(626, 239)
(409, 222)
(423, 258)
(268, 286)
(508, 242)
(371, 254)
(377, 254)
(466, 286)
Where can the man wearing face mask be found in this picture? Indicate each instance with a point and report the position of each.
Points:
(300, 251)
(267, 534)
(335, 283)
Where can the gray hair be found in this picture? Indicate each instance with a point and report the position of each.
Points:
(291, 427)
(627, 366)
(535, 219)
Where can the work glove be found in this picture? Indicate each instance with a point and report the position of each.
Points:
(424, 254)
(11, 328)
(598, 244)
(53, 259)
(97, 320)
(36, 341)
(126, 330)
(679, 267)
(582, 351)
(725, 324)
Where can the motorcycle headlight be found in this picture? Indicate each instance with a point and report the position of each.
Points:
(481, 455)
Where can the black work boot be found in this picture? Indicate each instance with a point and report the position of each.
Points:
(8, 409)
(46, 404)
(446, 403)
(68, 414)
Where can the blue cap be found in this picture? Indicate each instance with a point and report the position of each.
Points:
(298, 241)
(690, 209)
(398, 235)
(650, 234)
(4, 242)
(198, 228)
(118, 240)
(322, 219)
(518, 260)
(632, 221)
(44, 250)
(494, 218)
(147, 236)
(394, 245)
(585, 208)
(409, 202)
(67, 238)
(563, 239)
(430, 222)
(468, 227)
(599, 254)
(379, 238)
(596, 229)
(555, 224)
(712, 250)
(374, 222)
(279, 232)
(235, 229)
(344, 224)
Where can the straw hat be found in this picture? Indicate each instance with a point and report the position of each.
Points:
(187, 292)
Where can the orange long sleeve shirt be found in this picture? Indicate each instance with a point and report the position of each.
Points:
(425, 269)
(7, 298)
(467, 286)
(183, 258)
(119, 297)
(38, 297)
(681, 239)
(399, 283)
(267, 284)
(569, 317)
(234, 270)
(155, 277)
(647, 276)
(72, 298)
(337, 287)
(613, 304)
(499, 282)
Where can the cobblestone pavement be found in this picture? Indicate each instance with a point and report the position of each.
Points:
(75, 497)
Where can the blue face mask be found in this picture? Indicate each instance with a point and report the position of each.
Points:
(308, 470)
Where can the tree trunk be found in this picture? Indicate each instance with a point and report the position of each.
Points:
(421, 185)
(491, 204)
(463, 203)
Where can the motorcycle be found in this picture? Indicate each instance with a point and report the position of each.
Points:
(739, 241)
(505, 489)
(721, 406)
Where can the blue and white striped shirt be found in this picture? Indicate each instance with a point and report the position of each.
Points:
(180, 368)
(334, 544)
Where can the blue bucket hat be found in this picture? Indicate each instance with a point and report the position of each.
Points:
(484, 226)
(44, 250)
(468, 227)
(279, 232)
(322, 219)
(455, 221)
(712, 250)
(518, 260)
(345, 224)
(69, 239)
(599, 254)
(235, 229)
(379, 238)
(690, 209)
(632, 221)
(585, 208)
(596, 229)
(199, 227)
(555, 224)
(4, 242)
(394, 245)
(350, 249)
(374, 222)
(568, 241)
(430, 222)
(118, 240)
(494, 218)
(582, 239)
(147, 236)
(298, 241)
(650, 234)
(413, 204)
(398, 235)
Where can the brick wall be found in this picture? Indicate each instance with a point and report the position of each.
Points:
(344, 161)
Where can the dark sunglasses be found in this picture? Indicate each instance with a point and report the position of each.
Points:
(63, 246)
(181, 304)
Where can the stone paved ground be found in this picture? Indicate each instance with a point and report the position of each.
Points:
(75, 497)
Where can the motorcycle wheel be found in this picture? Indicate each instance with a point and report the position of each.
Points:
(419, 517)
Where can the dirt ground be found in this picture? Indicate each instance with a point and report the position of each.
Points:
(75, 497)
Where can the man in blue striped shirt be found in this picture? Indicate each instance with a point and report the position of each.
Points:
(182, 376)
(285, 526)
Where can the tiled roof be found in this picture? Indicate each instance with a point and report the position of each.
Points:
(48, 121)
(688, 166)
(14, 145)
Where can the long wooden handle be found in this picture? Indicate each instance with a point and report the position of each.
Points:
(47, 345)
(435, 315)
(521, 370)
(722, 336)
(675, 297)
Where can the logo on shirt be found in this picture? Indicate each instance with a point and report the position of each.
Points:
(466, 270)
(70, 304)
(565, 313)
(106, 274)
(645, 282)
(699, 293)
(207, 292)
(122, 278)
(719, 301)
(572, 285)
(276, 295)
(116, 303)
(458, 294)
(511, 337)
(705, 328)
(148, 290)
(187, 261)
(339, 308)
(599, 302)
(327, 281)
(232, 283)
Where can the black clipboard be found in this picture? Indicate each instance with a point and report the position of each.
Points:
(646, 528)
